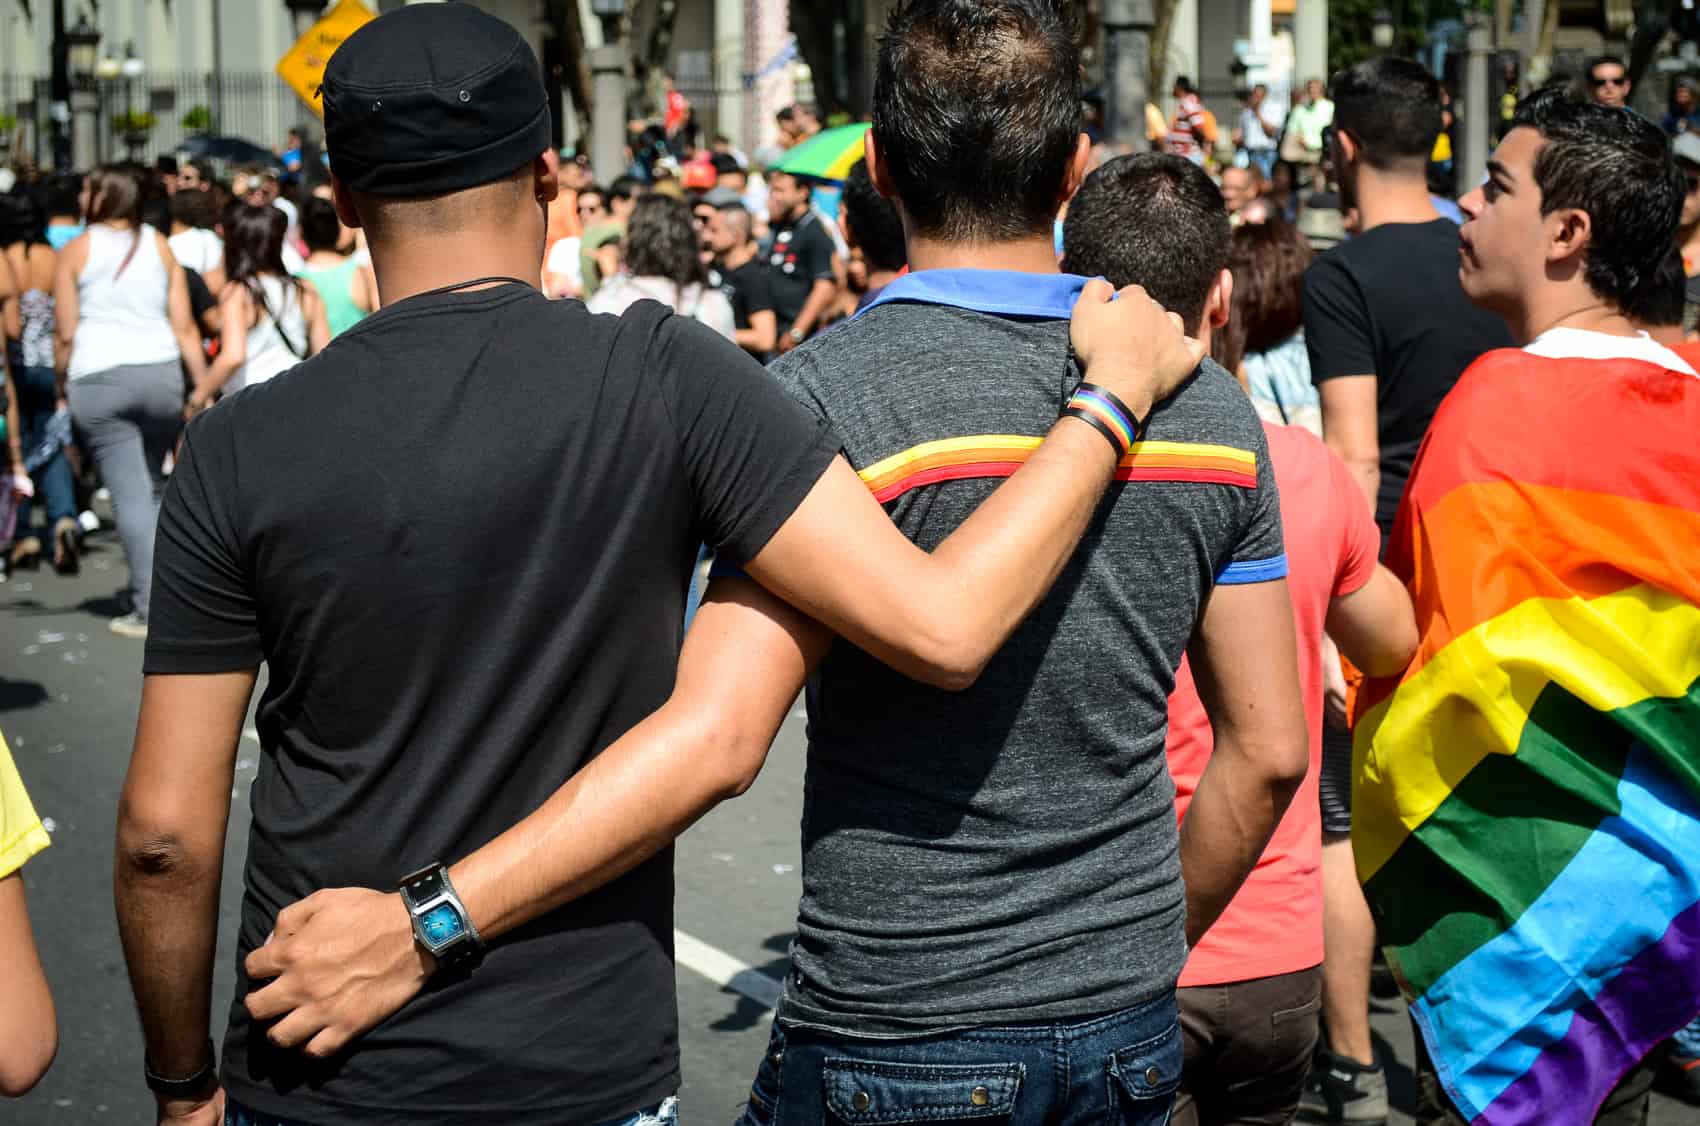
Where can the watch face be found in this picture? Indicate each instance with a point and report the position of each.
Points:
(441, 924)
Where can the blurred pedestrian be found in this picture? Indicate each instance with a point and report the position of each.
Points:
(194, 242)
(1389, 331)
(803, 258)
(1239, 187)
(1255, 133)
(1264, 340)
(1251, 987)
(344, 284)
(874, 230)
(1685, 147)
(663, 263)
(272, 320)
(1192, 131)
(61, 198)
(1608, 81)
(1301, 141)
(27, 315)
(125, 333)
(599, 253)
(1683, 116)
(740, 273)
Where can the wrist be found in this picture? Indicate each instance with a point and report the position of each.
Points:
(179, 1085)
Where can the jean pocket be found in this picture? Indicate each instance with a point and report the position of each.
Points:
(862, 1092)
(1143, 1077)
(763, 1106)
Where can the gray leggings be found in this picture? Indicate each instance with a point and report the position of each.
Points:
(129, 418)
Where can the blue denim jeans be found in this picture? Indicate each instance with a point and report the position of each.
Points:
(1686, 1043)
(54, 487)
(1116, 1070)
(665, 1114)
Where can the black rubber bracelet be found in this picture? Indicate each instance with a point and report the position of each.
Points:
(1134, 420)
(187, 1087)
(1100, 426)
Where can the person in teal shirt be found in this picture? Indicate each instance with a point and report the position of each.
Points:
(345, 283)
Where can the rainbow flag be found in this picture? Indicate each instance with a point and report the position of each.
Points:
(1527, 795)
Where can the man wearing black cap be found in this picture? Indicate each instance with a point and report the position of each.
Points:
(459, 539)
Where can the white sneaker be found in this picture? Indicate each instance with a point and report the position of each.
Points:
(130, 625)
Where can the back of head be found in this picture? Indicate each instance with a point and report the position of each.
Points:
(873, 221)
(1268, 261)
(1153, 220)
(115, 195)
(59, 197)
(977, 114)
(1616, 166)
(661, 243)
(319, 226)
(195, 208)
(428, 106)
(1667, 297)
(1391, 108)
(22, 219)
(253, 242)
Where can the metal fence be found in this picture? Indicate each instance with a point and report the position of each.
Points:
(254, 105)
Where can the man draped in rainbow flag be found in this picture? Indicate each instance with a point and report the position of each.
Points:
(1529, 790)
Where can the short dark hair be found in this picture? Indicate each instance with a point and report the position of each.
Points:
(1616, 166)
(1184, 85)
(22, 219)
(320, 228)
(1667, 296)
(1602, 60)
(661, 243)
(725, 164)
(1391, 108)
(977, 113)
(59, 197)
(624, 187)
(786, 113)
(873, 221)
(195, 207)
(1154, 220)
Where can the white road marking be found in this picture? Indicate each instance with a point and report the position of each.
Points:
(726, 971)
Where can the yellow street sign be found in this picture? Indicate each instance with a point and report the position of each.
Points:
(304, 66)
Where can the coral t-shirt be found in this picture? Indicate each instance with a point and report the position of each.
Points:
(1274, 924)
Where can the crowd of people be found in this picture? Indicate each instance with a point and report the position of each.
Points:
(1109, 612)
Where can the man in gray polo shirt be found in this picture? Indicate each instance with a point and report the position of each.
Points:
(993, 915)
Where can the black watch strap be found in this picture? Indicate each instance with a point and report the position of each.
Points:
(187, 1087)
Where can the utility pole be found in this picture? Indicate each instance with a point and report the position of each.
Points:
(608, 94)
(1476, 100)
(1127, 68)
(216, 94)
(59, 92)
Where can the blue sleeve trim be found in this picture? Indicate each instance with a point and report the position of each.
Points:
(1254, 571)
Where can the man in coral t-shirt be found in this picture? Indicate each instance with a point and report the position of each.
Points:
(1250, 993)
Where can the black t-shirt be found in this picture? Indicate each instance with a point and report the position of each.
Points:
(799, 253)
(459, 539)
(748, 288)
(1388, 303)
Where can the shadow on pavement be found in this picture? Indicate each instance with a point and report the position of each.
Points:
(747, 1014)
(18, 694)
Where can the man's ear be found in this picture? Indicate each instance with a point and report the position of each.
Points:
(1076, 169)
(1221, 300)
(1348, 146)
(878, 171)
(1568, 231)
(343, 199)
(546, 176)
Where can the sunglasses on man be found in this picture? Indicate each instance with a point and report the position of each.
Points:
(1610, 80)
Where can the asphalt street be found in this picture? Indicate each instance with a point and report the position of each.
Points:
(68, 698)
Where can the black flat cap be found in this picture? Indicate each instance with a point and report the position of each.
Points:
(433, 98)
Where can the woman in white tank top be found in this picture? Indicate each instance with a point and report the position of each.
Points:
(124, 334)
(271, 321)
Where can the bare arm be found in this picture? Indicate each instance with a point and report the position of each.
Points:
(182, 316)
(365, 290)
(1350, 427)
(65, 304)
(821, 295)
(1375, 625)
(11, 310)
(318, 328)
(762, 335)
(1244, 660)
(29, 1029)
(235, 309)
(172, 817)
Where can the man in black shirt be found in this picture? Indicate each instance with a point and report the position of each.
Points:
(506, 695)
(874, 231)
(740, 273)
(1389, 332)
(803, 258)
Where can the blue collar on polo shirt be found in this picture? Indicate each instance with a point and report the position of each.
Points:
(1002, 293)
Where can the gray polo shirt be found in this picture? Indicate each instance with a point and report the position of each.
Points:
(1009, 854)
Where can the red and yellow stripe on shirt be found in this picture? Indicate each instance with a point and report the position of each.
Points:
(1000, 455)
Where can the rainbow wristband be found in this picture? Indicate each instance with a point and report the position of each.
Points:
(1111, 417)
